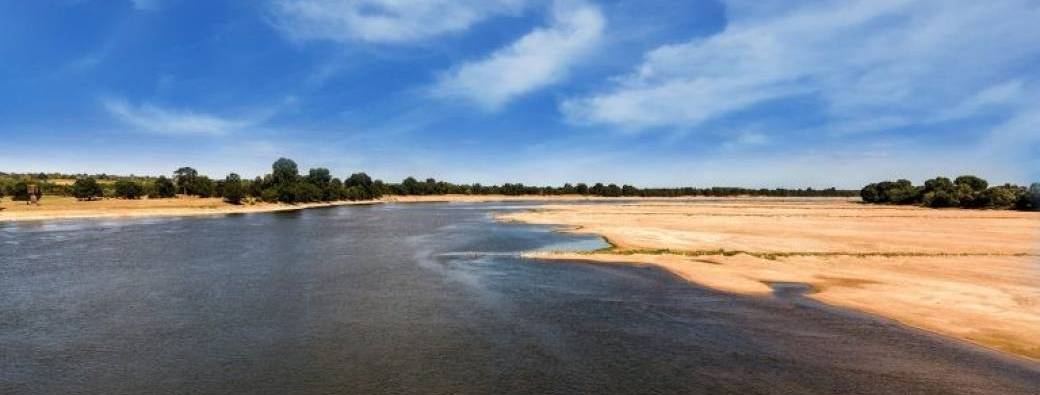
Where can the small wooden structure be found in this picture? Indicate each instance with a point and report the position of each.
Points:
(34, 194)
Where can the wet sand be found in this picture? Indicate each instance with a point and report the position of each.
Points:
(968, 274)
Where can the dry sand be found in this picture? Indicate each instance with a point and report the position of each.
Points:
(969, 274)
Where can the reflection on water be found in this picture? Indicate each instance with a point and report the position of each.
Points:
(419, 298)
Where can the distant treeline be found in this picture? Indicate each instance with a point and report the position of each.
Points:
(964, 191)
(286, 184)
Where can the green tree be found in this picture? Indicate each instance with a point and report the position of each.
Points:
(581, 189)
(364, 183)
(870, 193)
(164, 188)
(284, 171)
(185, 178)
(1001, 197)
(270, 195)
(903, 192)
(204, 187)
(127, 189)
(976, 184)
(86, 189)
(410, 186)
(628, 190)
(19, 191)
(306, 192)
(233, 189)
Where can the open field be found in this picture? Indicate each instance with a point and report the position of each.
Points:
(969, 274)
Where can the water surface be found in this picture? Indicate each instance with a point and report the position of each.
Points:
(421, 298)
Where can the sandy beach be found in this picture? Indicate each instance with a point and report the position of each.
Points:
(968, 274)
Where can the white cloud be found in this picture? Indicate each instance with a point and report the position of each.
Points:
(540, 58)
(900, 61)
(383, 21)
(152, 119)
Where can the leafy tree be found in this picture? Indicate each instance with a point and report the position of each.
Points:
(127, 189)
(940, 192)
(204, 187)
(364, 182)
(335, 191)
(319, 176)
(581, 189)
(233, 189)
(903, 192)
(976, 184)
(969, 189)
(628, 190)
(379, 188)
(284, 171)
(870, 193)
(1001, 197)
(355, 193)
(410, 186)
(86, 189)
(256, 188)
(306, 192)
(19, 191)
(270, 195)
(185, 178)
(164, 188)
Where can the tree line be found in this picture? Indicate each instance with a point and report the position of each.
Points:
(964, 191)
(285, 184)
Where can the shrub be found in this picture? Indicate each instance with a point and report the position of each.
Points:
(233, 189)
(1001, 197)
(270, 195)
(870, 193)
(163, 188)
(127, 189)
(86, 189)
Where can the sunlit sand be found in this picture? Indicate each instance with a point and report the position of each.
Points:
(969, 274)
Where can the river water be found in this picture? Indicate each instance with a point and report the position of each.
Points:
(421, 298)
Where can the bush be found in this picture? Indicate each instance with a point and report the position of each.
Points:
(204, 187)
(870, 193)
(307, 192)
(163, 188)
(233, 189)
(127, 189)
(1001, 197)
(270, 195)
(86, 189)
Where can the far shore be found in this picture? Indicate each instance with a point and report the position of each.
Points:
(60, 208)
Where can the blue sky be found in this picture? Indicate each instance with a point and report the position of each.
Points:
(648, 92)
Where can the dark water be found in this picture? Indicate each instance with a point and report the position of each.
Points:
(408, 299)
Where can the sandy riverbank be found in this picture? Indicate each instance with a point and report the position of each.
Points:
(972, 275)
(52, 208)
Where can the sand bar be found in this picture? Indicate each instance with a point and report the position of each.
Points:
(969, 274)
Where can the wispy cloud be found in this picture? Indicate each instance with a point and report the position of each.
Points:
(383, 21)
(895, 60)
(538, 59)
(152, 119)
